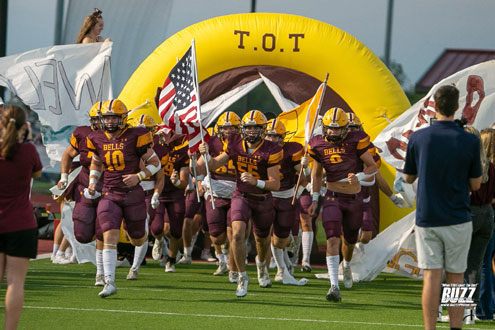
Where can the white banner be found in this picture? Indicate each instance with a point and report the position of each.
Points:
(60, 84)
(476, 85)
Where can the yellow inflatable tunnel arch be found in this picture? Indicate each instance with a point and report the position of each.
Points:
(361, 82)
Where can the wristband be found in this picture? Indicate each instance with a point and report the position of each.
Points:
(260, 184)
(306, 171)
(177, 183)
(64, 177)
(93, 180)
(141, 175)
(95, 173)
(316, 196)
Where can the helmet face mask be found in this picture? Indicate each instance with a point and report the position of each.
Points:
(275, 131)
(114, 108)
(94, 116)
(227, 124)
(335, 125)
(253, 126)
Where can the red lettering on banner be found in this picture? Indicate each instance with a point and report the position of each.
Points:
(424, 111)
(474, 85)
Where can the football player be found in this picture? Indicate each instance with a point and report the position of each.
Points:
(342, 154)
(152, 189)
(169, 217)
(256, 162)
(84, 212)
(290, 165)
(222, 182)
(119, 149)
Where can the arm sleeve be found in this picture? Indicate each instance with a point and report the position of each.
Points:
(410, 166)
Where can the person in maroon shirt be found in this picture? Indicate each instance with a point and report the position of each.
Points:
(256, 162)
(342, 154)
(19, 163)
(119, 149)
(482, 215)
(289, 168)
(169, 217)
(222, 184)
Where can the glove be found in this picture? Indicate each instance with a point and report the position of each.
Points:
(398, 200)
(62, 183)
(88, 196)
(154, 200)
(398, 184)
(304, 161)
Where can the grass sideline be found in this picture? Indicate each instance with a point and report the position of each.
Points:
(63, 297)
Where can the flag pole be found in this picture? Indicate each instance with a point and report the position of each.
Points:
(193, 165)
(198, 104)
(320, 103)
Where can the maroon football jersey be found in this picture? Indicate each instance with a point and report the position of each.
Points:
(120, 155)
(78, 142)
(339, 159)
(177, 159)
(226, 172)
(264, 156)
(293, 153)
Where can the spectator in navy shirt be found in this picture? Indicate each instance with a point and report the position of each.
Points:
(446, 161)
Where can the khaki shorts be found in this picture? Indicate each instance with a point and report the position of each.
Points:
(444, 247)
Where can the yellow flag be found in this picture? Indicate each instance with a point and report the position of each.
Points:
(298, 121)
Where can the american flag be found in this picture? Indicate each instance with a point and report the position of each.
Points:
(178, 104)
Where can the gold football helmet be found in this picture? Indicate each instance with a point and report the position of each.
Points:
(227, 119)
(275, 127)
(354, 121)
(114, 108)
(335, 118)
(94, 116)
(145, 121)
(253, 118)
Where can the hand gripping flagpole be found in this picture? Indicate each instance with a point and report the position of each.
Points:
(320, 103)
(198, 105)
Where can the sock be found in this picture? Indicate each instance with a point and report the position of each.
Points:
(171, 260)
(139, 254)
(68, 252)
(193, 239)
(278, 256)
(243, 274)
(55, 249)
(307, 244)
(99, 262)
(60, 253)
(288, 262)
(188, 251)
(109, 264)
(346, 263)
(221, 258)
(333, 269)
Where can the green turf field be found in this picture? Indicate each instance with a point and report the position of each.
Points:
(63, 297)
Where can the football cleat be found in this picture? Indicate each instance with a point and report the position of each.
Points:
(99, 280)
(468, 316)
(333, 294)
(157, 251)
(205, 255)
(263, 275)
(185, 260)
(233, 277)
(169, 267)
(242, 286)
(347, 277)
(61, 260)
(108, 290)
(306, 268)
(288, 279)
(133, 275)
(221, 270)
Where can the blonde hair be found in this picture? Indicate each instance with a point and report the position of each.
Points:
(488, 140)
(485, 161)
(12, 118)
(89, 22)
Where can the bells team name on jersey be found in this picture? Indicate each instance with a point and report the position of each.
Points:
(113, 146)
(331, 151)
